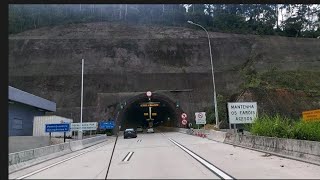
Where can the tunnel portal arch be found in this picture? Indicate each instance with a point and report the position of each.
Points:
(132, 115)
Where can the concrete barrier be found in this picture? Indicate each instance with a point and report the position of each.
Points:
(93, 140)
(22, 143)
(216, 135)
(302, 149)
(76, 145)
(23, 157)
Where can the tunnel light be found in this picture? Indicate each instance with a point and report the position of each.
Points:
(177, 104)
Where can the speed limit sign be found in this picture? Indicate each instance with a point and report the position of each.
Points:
(183, 115)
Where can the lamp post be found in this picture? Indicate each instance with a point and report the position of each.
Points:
(80, 134)
(213, 82)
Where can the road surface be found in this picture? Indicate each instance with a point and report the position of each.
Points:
(168, 155)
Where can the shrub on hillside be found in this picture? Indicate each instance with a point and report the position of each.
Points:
(307, 130)
(274, 126)
(282, 127)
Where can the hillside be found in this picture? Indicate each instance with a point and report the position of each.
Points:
(123, 58)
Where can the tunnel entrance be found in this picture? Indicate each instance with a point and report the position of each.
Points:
(136, 112)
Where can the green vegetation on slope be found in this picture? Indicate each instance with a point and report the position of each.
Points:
(262, 19)
(306, 81)
(282, 127)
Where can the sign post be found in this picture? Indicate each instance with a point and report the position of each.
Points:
(64, 137)
(200, 118)
(65, 127)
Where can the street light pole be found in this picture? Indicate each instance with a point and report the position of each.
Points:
(81, 100)
(212, 72)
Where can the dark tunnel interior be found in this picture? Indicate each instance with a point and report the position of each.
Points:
(134, 115)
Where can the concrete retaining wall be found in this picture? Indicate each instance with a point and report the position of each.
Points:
(297, 149)
(63, 148)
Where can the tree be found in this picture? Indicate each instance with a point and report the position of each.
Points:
(298, 21)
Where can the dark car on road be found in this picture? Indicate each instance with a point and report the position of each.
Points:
(129, 133)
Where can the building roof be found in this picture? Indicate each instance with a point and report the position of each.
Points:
(20, 96)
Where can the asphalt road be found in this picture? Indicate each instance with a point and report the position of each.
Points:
(169, 155)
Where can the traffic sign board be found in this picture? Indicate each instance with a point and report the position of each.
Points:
(184, 122)
(87, 126)
(149, 93)
(106, 125)
(150, 104)
(242, 112)
(64, 127)
(313, 115)
(183, 115)
(200, 117)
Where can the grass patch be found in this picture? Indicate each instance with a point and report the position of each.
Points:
(307, 81)
(282, 127)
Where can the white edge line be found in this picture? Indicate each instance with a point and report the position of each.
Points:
(129, 155)
(54, 164)
(218, 171)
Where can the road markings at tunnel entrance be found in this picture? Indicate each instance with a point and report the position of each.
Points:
(127, 157)
(211, 167)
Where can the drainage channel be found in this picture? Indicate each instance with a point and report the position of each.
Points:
(221, 174)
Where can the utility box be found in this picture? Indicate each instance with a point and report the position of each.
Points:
(39, 125)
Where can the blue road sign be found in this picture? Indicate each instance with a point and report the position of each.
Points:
(65, 127)
(106, 125)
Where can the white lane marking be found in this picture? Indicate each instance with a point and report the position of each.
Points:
(128, 156)
(54, 164)
(208, 165)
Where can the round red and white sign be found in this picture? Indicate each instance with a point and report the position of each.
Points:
(149, 93)
(184, 122)
(184, 115)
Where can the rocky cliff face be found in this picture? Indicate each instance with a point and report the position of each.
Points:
(128, 59)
